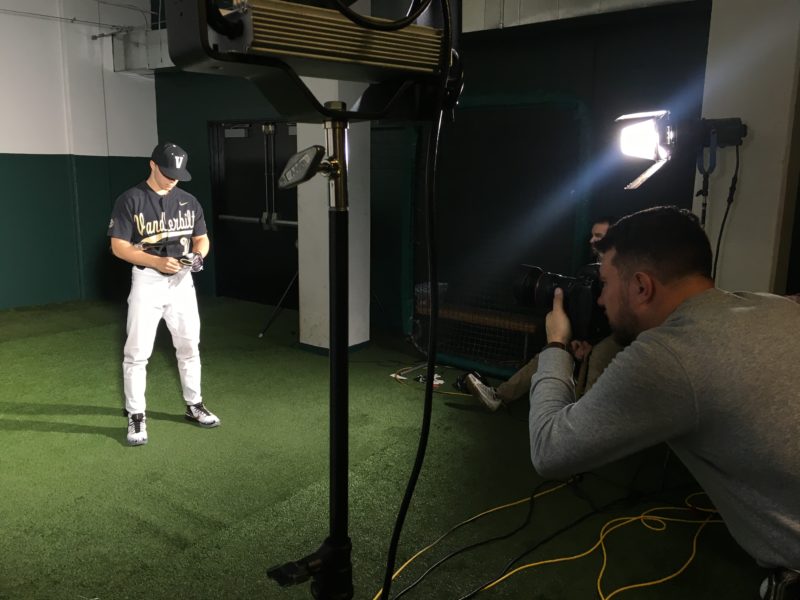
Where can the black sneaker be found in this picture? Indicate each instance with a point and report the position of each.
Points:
(782, 584)
(137, 429)
(201, 415)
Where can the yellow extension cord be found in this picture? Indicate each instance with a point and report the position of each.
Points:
(649, 520)
(653, 522)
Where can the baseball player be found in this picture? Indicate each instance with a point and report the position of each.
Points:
(160, 229)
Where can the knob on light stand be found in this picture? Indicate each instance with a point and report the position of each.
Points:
(714, 134)
(330, 565)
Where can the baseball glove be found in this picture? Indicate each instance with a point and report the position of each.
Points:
(193, 260)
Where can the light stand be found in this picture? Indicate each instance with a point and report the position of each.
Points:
(330, 565)
(713, 134)
(413, 76)
(278, 306)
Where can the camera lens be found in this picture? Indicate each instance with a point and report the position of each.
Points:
(546, 290)
(535, 288)
(524, 286)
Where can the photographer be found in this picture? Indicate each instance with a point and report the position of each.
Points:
(704, 370)
(592, 359)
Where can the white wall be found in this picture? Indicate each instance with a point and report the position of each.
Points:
(60, 94)
(752, 73)
(32, 117)
(497, 14)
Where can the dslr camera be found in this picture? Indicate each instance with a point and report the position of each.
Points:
(534, 288)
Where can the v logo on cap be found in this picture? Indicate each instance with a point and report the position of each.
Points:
(171, 160)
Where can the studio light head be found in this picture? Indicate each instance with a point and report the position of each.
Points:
(653, 136)
(273, 43)
(647, 135)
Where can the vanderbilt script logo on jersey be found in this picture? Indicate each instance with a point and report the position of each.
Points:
(183, 222)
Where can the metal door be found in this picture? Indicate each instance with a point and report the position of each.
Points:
(255, 229)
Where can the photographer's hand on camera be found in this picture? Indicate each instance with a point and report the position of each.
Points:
(557, 323)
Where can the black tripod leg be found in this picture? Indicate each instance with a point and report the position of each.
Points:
(278, 306)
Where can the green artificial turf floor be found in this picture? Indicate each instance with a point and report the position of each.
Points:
(201, 514)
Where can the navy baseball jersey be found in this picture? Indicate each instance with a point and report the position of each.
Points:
(161, 225)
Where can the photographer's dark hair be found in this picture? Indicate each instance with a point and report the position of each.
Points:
(666, 240)
(604, 219)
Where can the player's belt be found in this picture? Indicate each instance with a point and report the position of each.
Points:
(141, 268)
(159, 248)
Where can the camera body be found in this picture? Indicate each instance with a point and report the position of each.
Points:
(535, 288)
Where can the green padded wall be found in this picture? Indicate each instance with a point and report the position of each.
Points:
(54, 246)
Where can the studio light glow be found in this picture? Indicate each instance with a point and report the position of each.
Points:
(648, 136)
(642, 140)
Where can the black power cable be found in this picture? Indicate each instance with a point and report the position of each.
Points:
(536, 546)
(371, 23)
(731, 192)
(433, 291)
(472, 546)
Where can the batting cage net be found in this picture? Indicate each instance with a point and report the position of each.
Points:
(480, 326)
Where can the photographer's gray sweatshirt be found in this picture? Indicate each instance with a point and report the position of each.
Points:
(718, 382)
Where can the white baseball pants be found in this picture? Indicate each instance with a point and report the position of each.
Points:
(153, 297)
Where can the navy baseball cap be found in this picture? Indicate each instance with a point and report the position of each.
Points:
(171, 160)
